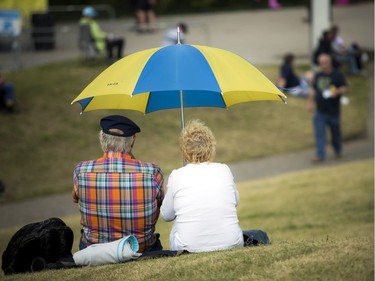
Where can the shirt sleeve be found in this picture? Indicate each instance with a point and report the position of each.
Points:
(75, 187)
(341, 81)
(285, 71)
(236, 193)
(159, 183)
(167, 208)
(97, 32)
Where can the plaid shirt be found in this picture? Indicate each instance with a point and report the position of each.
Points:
(118, 196)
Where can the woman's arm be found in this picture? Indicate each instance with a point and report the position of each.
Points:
(167, 211)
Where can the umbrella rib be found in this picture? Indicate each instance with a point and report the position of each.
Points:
(148, 100)
(222, 97)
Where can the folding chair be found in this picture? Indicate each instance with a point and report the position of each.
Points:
(86, 43)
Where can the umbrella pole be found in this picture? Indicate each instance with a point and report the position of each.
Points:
(182, 109)
(182, 119)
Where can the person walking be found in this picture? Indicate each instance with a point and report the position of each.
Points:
(118, 195)
(329, 84)
(146, 15)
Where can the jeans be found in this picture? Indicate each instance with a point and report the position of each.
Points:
(321, 120)
(350, 59)
(157, 246)
(118, 44)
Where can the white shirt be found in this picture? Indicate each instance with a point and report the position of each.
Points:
(170, 37)
(202, 199)
(338, 44)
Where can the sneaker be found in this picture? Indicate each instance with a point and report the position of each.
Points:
(338, 156)
(316, 160)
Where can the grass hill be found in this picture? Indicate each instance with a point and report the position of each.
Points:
(321, 223)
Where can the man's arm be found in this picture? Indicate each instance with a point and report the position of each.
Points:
(281, 82)
(75, 188)
(310, 100)
(340, 85)
(339, 91)
(167, 208)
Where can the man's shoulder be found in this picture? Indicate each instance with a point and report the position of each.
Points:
(286, 69)
(84, 164)
(83, 21)
(118, 165)
(337, 71)
(334, 73)
(338, 74)
(152, 166)
(144, 166)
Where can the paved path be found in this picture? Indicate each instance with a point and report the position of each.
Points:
(20, 213)
(282, 31)
(260, 36)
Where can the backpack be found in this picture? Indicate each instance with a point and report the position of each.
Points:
(37, 244)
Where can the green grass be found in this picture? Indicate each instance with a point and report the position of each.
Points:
(320, 221)
(41, 145)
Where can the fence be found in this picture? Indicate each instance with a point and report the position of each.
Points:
(40, 32)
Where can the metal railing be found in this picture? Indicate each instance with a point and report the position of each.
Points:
(32, 38)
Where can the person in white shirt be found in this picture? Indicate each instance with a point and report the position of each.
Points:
(350, 55)
(201, 197)
(171, 37)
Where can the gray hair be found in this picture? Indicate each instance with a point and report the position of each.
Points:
(114, 143)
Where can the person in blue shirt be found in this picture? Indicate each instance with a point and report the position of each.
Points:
(290, 81)
(7, 95)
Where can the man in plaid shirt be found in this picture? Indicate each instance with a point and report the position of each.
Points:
(118, 195)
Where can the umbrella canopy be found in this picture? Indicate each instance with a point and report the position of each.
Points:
(177, 76)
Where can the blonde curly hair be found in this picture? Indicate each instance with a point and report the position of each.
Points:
(197, 142)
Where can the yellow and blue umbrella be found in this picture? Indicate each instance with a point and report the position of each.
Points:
(177, 76)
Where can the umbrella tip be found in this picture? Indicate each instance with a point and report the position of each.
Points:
(284, 100)
(178, 36)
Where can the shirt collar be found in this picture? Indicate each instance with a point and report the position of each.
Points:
(117, 154)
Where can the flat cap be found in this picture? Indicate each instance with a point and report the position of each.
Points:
(121, 123)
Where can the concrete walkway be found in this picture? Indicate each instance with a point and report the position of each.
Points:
(260, 36)
(281, 31)
(60, 205)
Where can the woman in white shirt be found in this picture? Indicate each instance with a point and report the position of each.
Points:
(201, 197)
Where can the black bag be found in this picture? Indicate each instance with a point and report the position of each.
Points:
(255, 237)
(37, 244)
